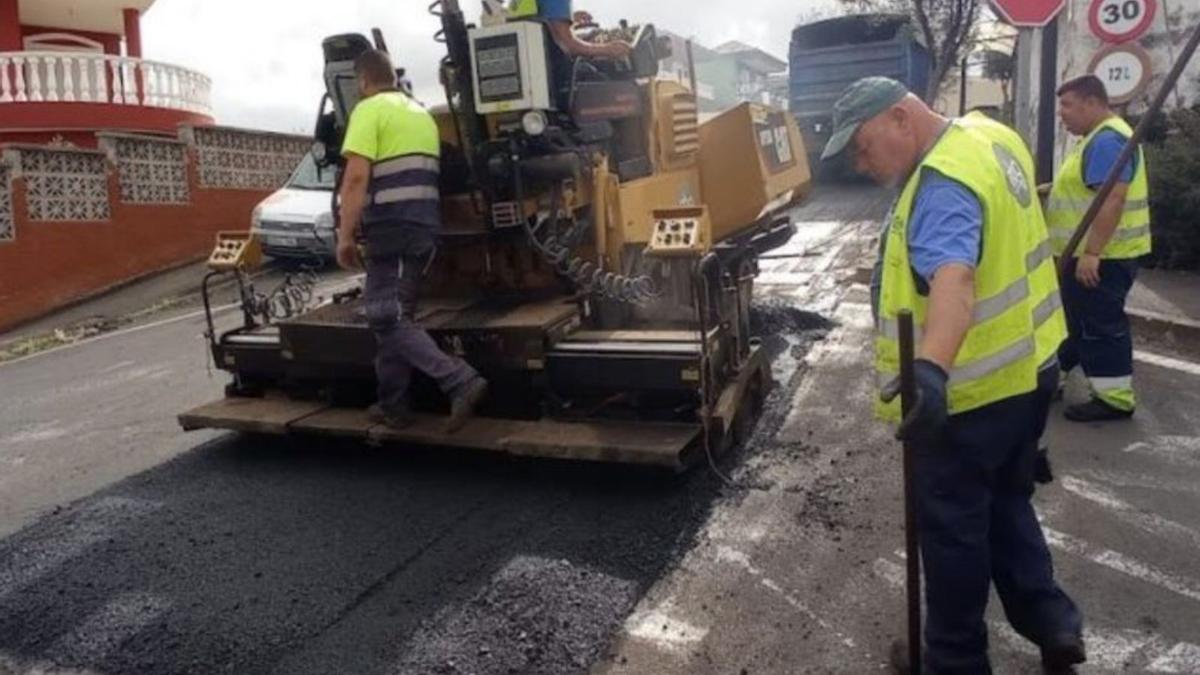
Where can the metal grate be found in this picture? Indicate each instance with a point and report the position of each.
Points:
(8, 229)
(685, 130)
(506, 215)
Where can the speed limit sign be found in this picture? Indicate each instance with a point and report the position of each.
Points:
(1117, 21)
(1125, 71)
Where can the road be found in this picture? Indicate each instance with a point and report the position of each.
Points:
(129, 547)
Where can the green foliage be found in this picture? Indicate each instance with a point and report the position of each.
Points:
(1173, 159)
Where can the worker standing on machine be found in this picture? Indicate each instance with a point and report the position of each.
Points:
(1098, 281)
(392, 149)
(560, 19)
(966, 251)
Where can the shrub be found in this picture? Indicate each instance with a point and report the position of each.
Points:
(1173, 159)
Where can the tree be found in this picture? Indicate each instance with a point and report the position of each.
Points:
(1000, 66)
(947, 26)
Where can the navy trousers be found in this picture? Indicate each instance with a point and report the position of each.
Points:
(978, 527)
(393, 285)
(1100, 338)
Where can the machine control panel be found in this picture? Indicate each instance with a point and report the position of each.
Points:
(511, 68)
(235, 251)
(684, 231)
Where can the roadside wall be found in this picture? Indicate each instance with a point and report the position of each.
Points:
(76, 222)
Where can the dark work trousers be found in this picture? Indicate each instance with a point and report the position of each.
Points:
(977, 527)
(393, 284)
(1100, 339)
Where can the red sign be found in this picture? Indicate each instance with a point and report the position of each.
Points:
(1028, 13)
(1117, 21)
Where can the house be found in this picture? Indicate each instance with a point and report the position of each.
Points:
(69, 69)
(112, 166)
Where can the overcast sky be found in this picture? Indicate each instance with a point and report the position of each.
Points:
(264, 56)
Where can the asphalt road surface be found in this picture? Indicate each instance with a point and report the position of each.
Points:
(127, 546)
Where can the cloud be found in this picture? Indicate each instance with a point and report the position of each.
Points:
(264, 56)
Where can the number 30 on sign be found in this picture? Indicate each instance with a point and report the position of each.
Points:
(1117, 21)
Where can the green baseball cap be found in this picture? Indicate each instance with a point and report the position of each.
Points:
(860, 102)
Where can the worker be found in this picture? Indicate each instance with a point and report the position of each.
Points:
(560, 20)
(965, 249)
(392, 150)
(1098, 280)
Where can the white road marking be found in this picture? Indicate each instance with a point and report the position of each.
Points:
(1189, 367)
(1143, 481)
(1128, 513)
(1184, 450)
(106, 629)
(36, 434)
(331, 289)
(890, 572)
(737, 558)
(659, 628)
(1183, 658)
(1188, 588)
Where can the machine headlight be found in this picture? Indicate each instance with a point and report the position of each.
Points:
(318, 151)
(325, 221)
(534, 122)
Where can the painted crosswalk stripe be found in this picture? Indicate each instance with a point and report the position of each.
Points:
(1190, 367)
(1124, 564)
(1147, 522)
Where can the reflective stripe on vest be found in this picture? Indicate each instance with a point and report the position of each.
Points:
(405, 189)
(1017, 323)
(1070, 199)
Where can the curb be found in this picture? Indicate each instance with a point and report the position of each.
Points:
(1178, 332)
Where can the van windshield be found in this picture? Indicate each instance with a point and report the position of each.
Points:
(306, 176)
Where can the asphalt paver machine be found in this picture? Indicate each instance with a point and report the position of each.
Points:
(597, 262)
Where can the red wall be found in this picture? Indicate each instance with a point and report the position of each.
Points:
(51, 264)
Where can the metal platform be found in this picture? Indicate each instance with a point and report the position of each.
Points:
(663, 445)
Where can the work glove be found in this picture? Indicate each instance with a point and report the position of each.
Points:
(927, 419)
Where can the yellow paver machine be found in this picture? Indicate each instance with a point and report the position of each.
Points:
(596, 265)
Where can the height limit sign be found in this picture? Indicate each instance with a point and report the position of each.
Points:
(1119, 21)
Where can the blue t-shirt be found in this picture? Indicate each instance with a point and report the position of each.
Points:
(555, 10)
(946, 225)
(1101, 154)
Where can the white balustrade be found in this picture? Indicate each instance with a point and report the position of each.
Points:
(53, 77)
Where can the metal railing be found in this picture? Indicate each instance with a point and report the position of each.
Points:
(75, 77)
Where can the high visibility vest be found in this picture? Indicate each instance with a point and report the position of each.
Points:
(1071, 197)
(404, 184)
(521, 9)
(1018, 322)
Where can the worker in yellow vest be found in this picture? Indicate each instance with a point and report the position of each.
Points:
(390, 190)
(965, 249)
(560, 18)
(1102, 274)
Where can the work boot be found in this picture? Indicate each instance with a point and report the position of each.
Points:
(1095, 410)
(1062, 652)
(464, 403)
(393, 419)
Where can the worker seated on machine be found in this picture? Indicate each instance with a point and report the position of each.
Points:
(561, 21)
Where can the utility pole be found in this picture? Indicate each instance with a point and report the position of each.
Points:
(1047, 103)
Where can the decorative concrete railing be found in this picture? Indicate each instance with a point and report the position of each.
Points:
(74, 77)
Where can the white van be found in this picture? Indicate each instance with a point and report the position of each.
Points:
(297, 221)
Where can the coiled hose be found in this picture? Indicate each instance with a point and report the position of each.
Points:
(589, 277)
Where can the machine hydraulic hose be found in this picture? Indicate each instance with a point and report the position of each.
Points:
(559, 251)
